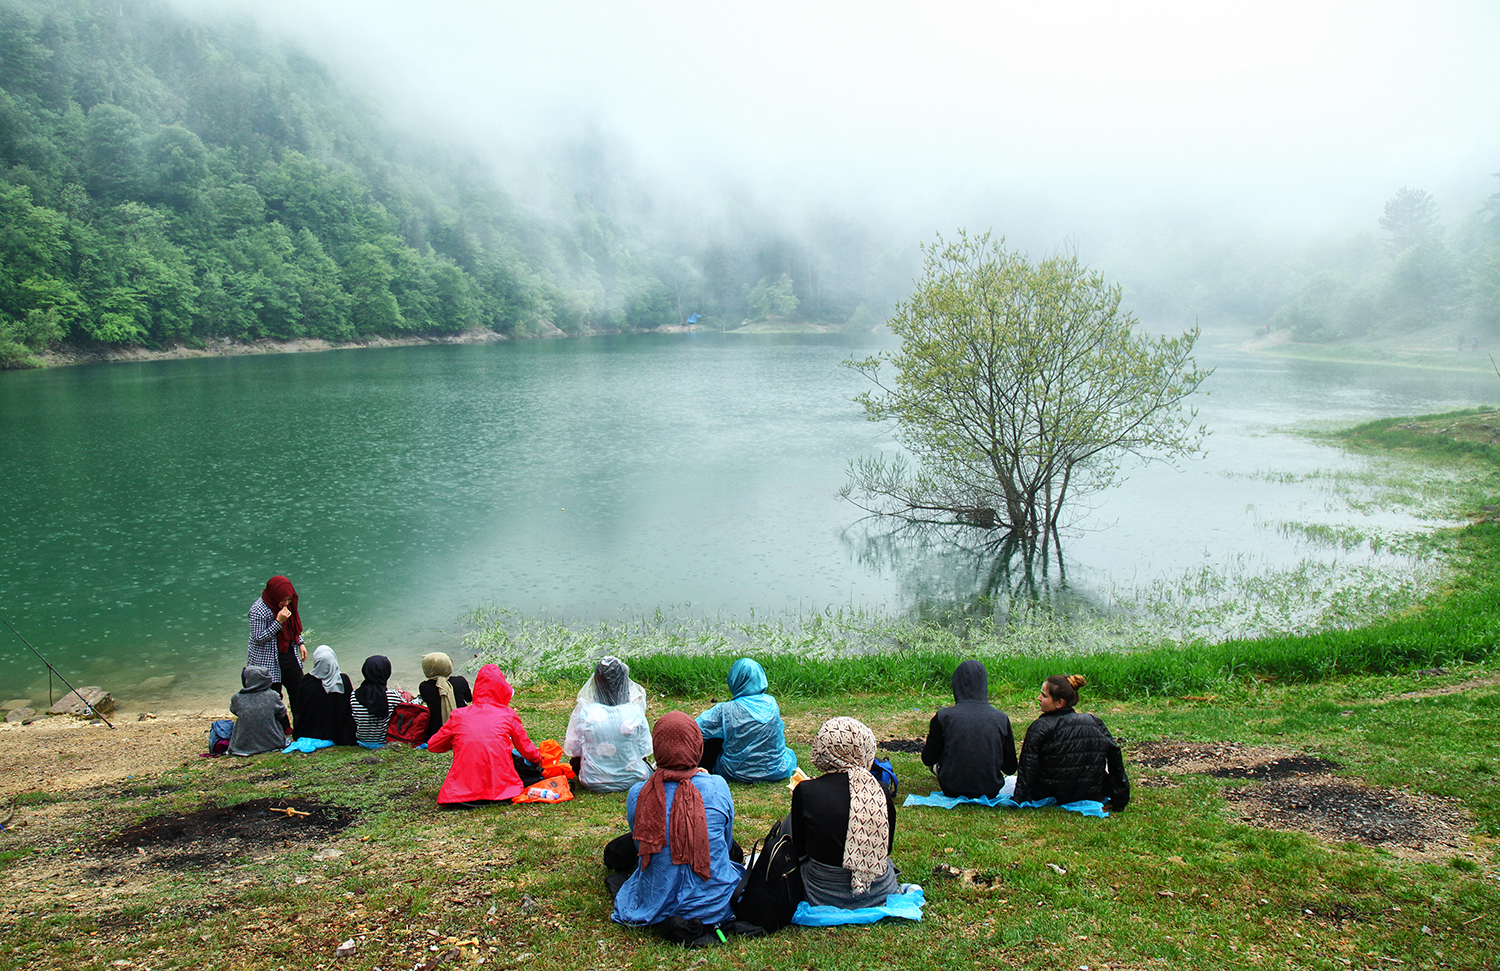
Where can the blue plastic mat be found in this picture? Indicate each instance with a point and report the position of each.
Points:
(905, 905)
(1085, 807)
(307, 745)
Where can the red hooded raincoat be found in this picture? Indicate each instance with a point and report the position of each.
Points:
(481, 737)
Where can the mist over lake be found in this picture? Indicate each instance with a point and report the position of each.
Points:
(579, 480)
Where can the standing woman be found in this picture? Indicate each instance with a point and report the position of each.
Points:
(276, 635)
(373, 702)
(1069, 755)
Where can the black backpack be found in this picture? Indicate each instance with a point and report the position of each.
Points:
(773, 886)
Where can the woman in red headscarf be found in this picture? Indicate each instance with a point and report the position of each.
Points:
(682, 821)
(276, 635)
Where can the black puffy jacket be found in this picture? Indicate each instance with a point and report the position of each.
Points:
(1069, 755)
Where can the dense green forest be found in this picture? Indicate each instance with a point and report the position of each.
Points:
(163, 181)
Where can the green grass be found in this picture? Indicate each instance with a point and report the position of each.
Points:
(1174, 879)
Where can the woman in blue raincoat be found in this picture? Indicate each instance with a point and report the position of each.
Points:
(749, 729)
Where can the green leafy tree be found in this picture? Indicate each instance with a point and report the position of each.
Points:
(772, 298)
(1017, 388)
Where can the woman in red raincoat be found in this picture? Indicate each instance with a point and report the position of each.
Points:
(481, 737)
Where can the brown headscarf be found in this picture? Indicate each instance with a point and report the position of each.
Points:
(278, 588)
(438, 666)
(679, 749)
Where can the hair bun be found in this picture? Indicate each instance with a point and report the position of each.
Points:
(1077, 680)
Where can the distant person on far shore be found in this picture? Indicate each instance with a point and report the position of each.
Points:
(1069, 755)
(260, 722)
(744, 739)
(442, 692)
(373, 702)
(276, 635)
(322, 709)
(970, 744)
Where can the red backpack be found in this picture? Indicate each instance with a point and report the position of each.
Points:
(408, 724)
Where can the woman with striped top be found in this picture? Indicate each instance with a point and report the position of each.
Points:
(373, 702)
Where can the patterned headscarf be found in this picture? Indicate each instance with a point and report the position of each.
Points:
(847, 745)
(679, 748)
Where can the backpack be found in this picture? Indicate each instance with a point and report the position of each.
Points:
(408, 724)
(773, 885)
(885, 774)
(218, 736)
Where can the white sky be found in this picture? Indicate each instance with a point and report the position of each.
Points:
(1307, 112)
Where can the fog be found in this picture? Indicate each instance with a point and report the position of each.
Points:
(1094, 124)
(1287, 104)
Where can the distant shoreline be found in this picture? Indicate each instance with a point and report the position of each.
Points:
(1428, 351)
(67, 355)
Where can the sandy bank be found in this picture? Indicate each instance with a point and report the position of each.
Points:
(68, 354)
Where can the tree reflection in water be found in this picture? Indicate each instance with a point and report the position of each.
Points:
(952, 574)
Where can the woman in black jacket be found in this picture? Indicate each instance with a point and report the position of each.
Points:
(1069, 755)
(321, 705)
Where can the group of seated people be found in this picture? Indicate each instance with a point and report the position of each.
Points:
(679, 859)
(325, 705)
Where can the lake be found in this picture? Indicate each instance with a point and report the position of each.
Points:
(582, 480)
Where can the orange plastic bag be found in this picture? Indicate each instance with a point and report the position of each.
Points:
(551, 789)
(553, 763)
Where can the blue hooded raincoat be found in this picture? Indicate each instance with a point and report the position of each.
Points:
(751, 727)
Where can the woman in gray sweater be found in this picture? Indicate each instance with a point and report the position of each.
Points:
(261, 724)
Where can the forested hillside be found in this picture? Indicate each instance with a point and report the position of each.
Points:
(162, 181)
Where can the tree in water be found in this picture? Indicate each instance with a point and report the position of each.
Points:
(1017, 388)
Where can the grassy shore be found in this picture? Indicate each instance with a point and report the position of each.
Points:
(1376, 850)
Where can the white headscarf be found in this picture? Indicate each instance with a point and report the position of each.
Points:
(325, 668)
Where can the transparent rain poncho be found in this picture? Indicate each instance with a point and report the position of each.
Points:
(608, 729)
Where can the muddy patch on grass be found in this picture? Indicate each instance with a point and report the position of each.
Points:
(911, 745)
(1416, 827)
(213, 835)
(1293, 791)
(1229, 760)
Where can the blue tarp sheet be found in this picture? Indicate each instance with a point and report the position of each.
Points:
(908, 905)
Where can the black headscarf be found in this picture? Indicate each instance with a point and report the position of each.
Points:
(371, 693)
(611, 681)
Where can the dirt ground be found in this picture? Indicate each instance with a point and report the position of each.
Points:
(62, 753)
(1296, 791)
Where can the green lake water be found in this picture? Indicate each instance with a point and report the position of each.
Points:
(605, 478)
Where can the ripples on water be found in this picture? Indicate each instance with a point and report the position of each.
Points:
(598, 480)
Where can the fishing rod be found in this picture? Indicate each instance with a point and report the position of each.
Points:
(53, 670)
